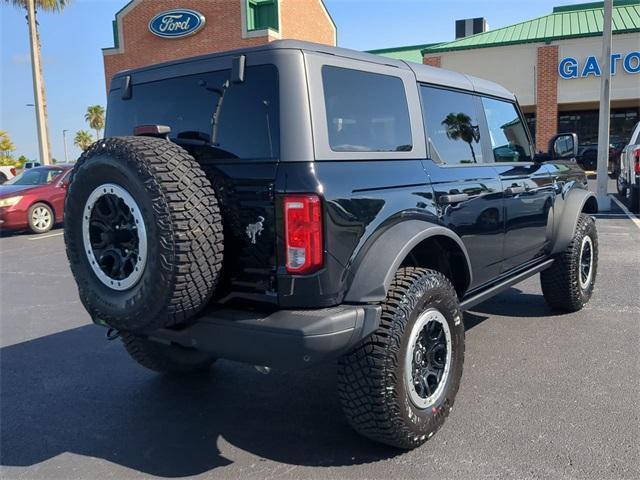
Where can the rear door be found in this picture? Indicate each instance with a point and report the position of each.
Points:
(468, 192)
(529, 188)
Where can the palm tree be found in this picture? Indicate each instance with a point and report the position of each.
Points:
(95, 118)
(31, 6)
(459, 127)
(83, 140)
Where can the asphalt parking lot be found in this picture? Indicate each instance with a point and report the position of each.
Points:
(543, 395)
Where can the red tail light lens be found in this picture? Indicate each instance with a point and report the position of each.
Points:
(636, 154)
(13, 171)
(303, 233)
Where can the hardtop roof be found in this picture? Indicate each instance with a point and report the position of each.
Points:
(423, 73)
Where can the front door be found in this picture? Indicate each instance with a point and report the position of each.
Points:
(528, 187)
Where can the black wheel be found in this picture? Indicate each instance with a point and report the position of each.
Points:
(590, 160)
(568, 284)
(3, 178)
(634, 198)
(143, 233)
(40, 217)
(164, 358)
(398, 386)
(621, 186)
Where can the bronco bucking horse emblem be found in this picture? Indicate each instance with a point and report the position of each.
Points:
(255, 229)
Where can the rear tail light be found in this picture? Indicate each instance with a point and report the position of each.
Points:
(303, 233)
(636, 166)
(13, 171)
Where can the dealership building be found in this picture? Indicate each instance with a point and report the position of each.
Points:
(551, 63)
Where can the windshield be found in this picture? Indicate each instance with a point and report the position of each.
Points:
(35, 176)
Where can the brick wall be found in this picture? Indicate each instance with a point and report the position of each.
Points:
(301, 19)
(546, 95)
(432, 61)
(306, 20)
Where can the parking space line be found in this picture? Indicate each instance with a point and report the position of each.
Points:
(42, 237)
(631, 216)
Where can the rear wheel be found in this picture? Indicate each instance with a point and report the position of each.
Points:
(143, 233)
(40, 218)
(398, 386)
(166, 358)
(3, 178)
(621, 186)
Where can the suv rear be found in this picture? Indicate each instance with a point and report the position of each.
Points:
(294, 203)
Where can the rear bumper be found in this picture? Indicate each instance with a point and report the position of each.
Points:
(285, 339)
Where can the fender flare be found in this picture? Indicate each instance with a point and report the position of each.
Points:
(574, 204)
(374, 272)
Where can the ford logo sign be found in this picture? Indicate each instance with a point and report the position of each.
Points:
(176, 23)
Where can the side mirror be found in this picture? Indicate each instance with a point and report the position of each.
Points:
(564, 146)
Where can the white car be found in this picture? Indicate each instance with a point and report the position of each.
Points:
(628, 182)
(7, 173)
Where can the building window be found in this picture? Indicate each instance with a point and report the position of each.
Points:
(585, 124)
(262, 14)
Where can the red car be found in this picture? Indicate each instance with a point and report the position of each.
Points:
(34, 199)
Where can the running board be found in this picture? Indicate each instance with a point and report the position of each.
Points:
(499, 287)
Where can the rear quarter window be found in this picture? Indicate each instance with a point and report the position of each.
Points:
(248, 123)
(366, 112)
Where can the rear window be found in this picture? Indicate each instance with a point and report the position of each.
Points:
(246, 125)
(366, 112)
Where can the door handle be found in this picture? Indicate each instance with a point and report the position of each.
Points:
(514, 190)
(453, 198)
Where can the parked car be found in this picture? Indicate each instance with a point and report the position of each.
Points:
(628, 181)
(354, 217)
(34, 199)
(588, 156)
(28, 165)
(6, 173)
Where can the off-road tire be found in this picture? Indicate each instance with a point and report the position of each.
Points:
(183, 231)
(371, 381)
(560, 283)
(33, 226)
(162, 358)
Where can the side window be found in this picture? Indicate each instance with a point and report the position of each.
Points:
(246, 124)
(366, 112)
(509, 140)
(452, 128)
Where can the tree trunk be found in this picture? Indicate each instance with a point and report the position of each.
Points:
(44, 97)
(473, 153)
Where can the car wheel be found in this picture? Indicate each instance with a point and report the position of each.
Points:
(568, 284)
(399, 385)
(143, 233)
(3, 178)
(621, 186)
(40, 218)
(634, 198)
(164, 358)
(590, 161)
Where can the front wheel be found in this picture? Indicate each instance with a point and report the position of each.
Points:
(568, 284)
(398, 386)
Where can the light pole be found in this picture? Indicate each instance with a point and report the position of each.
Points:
(604, 203)
(64, 141)
(41, 120)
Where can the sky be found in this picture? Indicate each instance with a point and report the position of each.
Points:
(74, 72)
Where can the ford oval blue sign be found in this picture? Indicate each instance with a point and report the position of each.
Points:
(176, 23)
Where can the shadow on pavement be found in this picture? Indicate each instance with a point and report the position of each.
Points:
(515, 303)
(76, 392)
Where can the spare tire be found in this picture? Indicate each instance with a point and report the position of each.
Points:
(143, 233)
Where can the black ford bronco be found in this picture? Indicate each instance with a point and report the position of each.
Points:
(293, 203)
